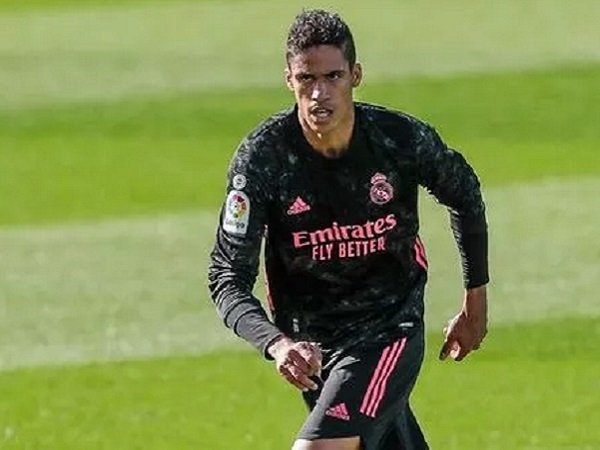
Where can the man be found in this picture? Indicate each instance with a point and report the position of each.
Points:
(332, 184)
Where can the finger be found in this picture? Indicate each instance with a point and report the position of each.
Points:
(462, 352)
(298, 360)
(454, 350)
(307, 382)
(463, 349)
(287, 374)
(314, 365)
(303, 379)
(318, 353)
(450, 341)
(312, 355)
(313, 348)
(446, 348)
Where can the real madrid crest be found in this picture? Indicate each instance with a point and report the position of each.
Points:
(381, 190)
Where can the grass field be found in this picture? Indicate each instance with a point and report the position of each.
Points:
(117, 121)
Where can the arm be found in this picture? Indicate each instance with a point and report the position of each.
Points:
(234, 266)
(235, 256)
(447, 176)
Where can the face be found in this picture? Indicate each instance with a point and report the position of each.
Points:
(322, 81)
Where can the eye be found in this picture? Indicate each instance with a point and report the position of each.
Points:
(304, 78)
(334, 76)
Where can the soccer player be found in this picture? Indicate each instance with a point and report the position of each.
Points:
(332, 186)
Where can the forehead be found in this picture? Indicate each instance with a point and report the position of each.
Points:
(319, 59)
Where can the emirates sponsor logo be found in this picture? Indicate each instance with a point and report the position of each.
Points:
(346, 241)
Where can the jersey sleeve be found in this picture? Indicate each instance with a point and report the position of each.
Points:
(446, 174)
(235, 256)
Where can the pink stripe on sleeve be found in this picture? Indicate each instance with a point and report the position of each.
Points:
(420, 253)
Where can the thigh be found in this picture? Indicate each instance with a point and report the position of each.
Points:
(406, 434)
(364, 392)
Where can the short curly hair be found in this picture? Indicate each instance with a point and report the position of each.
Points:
(315, 27)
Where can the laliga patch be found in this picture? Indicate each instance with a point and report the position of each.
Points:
(237, 213)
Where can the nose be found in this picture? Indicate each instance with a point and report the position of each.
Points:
(319, 90)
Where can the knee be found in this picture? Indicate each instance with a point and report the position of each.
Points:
(352, 443)
(301, 444)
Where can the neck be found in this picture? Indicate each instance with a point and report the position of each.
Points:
(333, 143)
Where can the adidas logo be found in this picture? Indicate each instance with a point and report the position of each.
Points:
(338, 411)
(298, 207)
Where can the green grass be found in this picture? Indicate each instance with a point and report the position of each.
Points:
(235, 400)
(75, 54)
(20, 5)
(137, 157)
(134, 287)
(8, 6)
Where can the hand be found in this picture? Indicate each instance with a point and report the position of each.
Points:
(468, 328)
(297, 361)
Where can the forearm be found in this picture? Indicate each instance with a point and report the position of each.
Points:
(471, 238)
(475, 310)
(240, 310)
(475, 301)
(256, 328)
(446, 175)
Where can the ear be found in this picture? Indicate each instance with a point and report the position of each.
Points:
(288, 79)
(356, 75)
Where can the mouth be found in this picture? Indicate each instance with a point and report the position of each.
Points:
(320, 113)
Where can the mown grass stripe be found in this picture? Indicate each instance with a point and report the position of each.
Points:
(154, 156)
(525, 389)
(116, 52)
(136, 287)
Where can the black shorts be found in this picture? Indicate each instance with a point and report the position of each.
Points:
(366, 393)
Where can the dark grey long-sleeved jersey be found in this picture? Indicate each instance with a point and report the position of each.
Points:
(344, 263)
